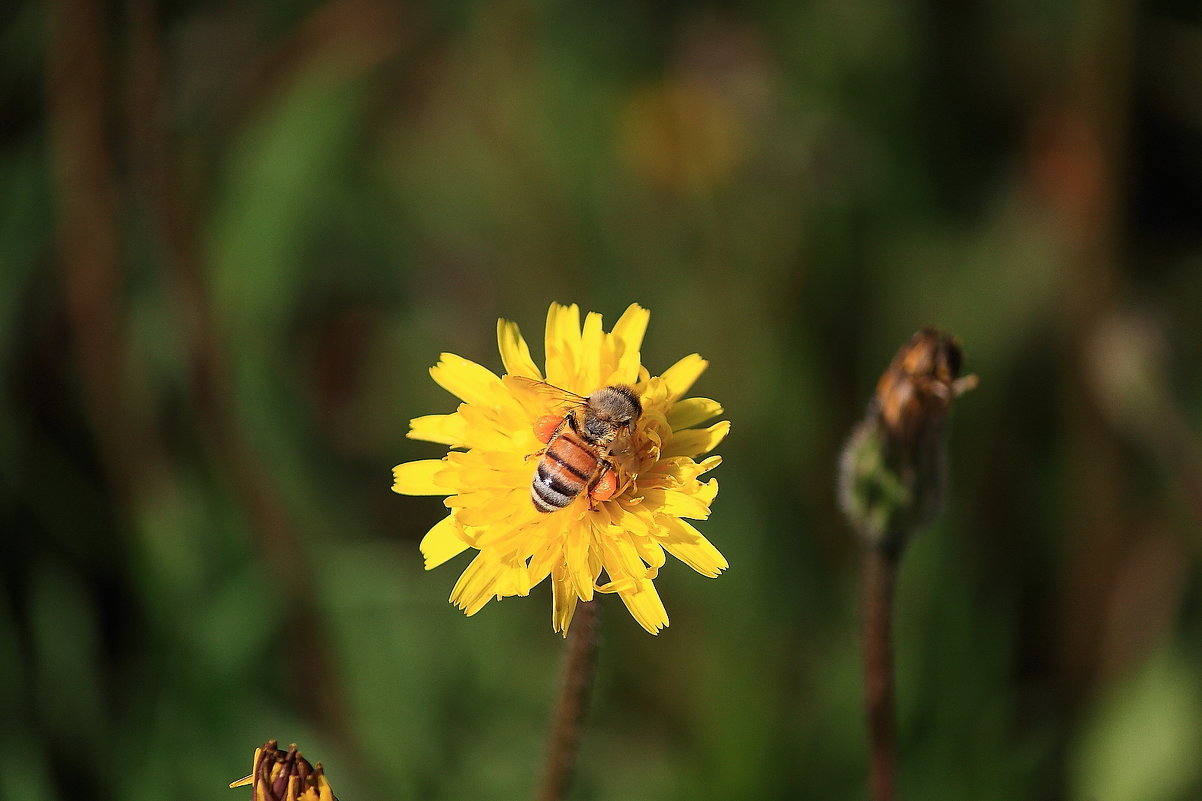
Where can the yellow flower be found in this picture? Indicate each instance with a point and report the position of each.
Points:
(611, 546)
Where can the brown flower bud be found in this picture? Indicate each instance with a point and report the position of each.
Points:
(914, 394)
(892, 468)
(285, 776)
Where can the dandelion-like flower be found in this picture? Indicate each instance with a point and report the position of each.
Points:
(612, 535)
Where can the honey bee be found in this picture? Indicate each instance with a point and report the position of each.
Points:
(584, 445)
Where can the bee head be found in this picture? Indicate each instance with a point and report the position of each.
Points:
(616, 405)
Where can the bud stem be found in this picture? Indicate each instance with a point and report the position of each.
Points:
(880, 577)
(576, 684)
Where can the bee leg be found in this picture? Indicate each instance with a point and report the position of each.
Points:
(604, 486)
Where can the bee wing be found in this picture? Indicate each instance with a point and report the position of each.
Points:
(540, 392)
(541, 389)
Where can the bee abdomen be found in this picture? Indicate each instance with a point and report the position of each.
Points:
(562, 474)
(550, 492)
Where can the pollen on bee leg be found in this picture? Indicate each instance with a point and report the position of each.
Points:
(605, 487)
(546, 426)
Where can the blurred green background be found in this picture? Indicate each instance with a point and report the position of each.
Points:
(234, 236)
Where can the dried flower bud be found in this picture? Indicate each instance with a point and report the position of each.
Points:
(285, 776)
(892, 469)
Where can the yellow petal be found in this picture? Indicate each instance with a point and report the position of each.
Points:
(629, 330)
(490, 509)
(509, 535)
(563, 600)
(478, 584)
(689, 546)
(474, 499)
(445, 429)
(492, 428)
(628, 340)
(562, 344)
(544, 561)
(576, 554)
(442, 542)
(467, 380)
(618, 586)
(650, 551)
(627, 520)
(590, 333)
(563, 324)
(515, 353)
(706, 490)
(420, 478)
(680, 376)
(695, 441)
(679, 503)
(678, 471)
(646, 607)
(588, 373)
(691, 412)
(514, 580)
(622, 559)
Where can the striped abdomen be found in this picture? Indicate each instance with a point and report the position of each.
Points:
(565, 469)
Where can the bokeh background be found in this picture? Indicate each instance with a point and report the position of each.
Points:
(234, 236)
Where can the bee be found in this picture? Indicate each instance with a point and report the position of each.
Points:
(584, 445)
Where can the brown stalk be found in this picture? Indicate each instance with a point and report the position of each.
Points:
(88, 245)
(576, 683)
(880, 578)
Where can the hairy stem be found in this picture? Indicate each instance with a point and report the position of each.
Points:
(575, 685)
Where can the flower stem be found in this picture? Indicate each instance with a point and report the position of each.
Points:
(880, 576)
(575, 684)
